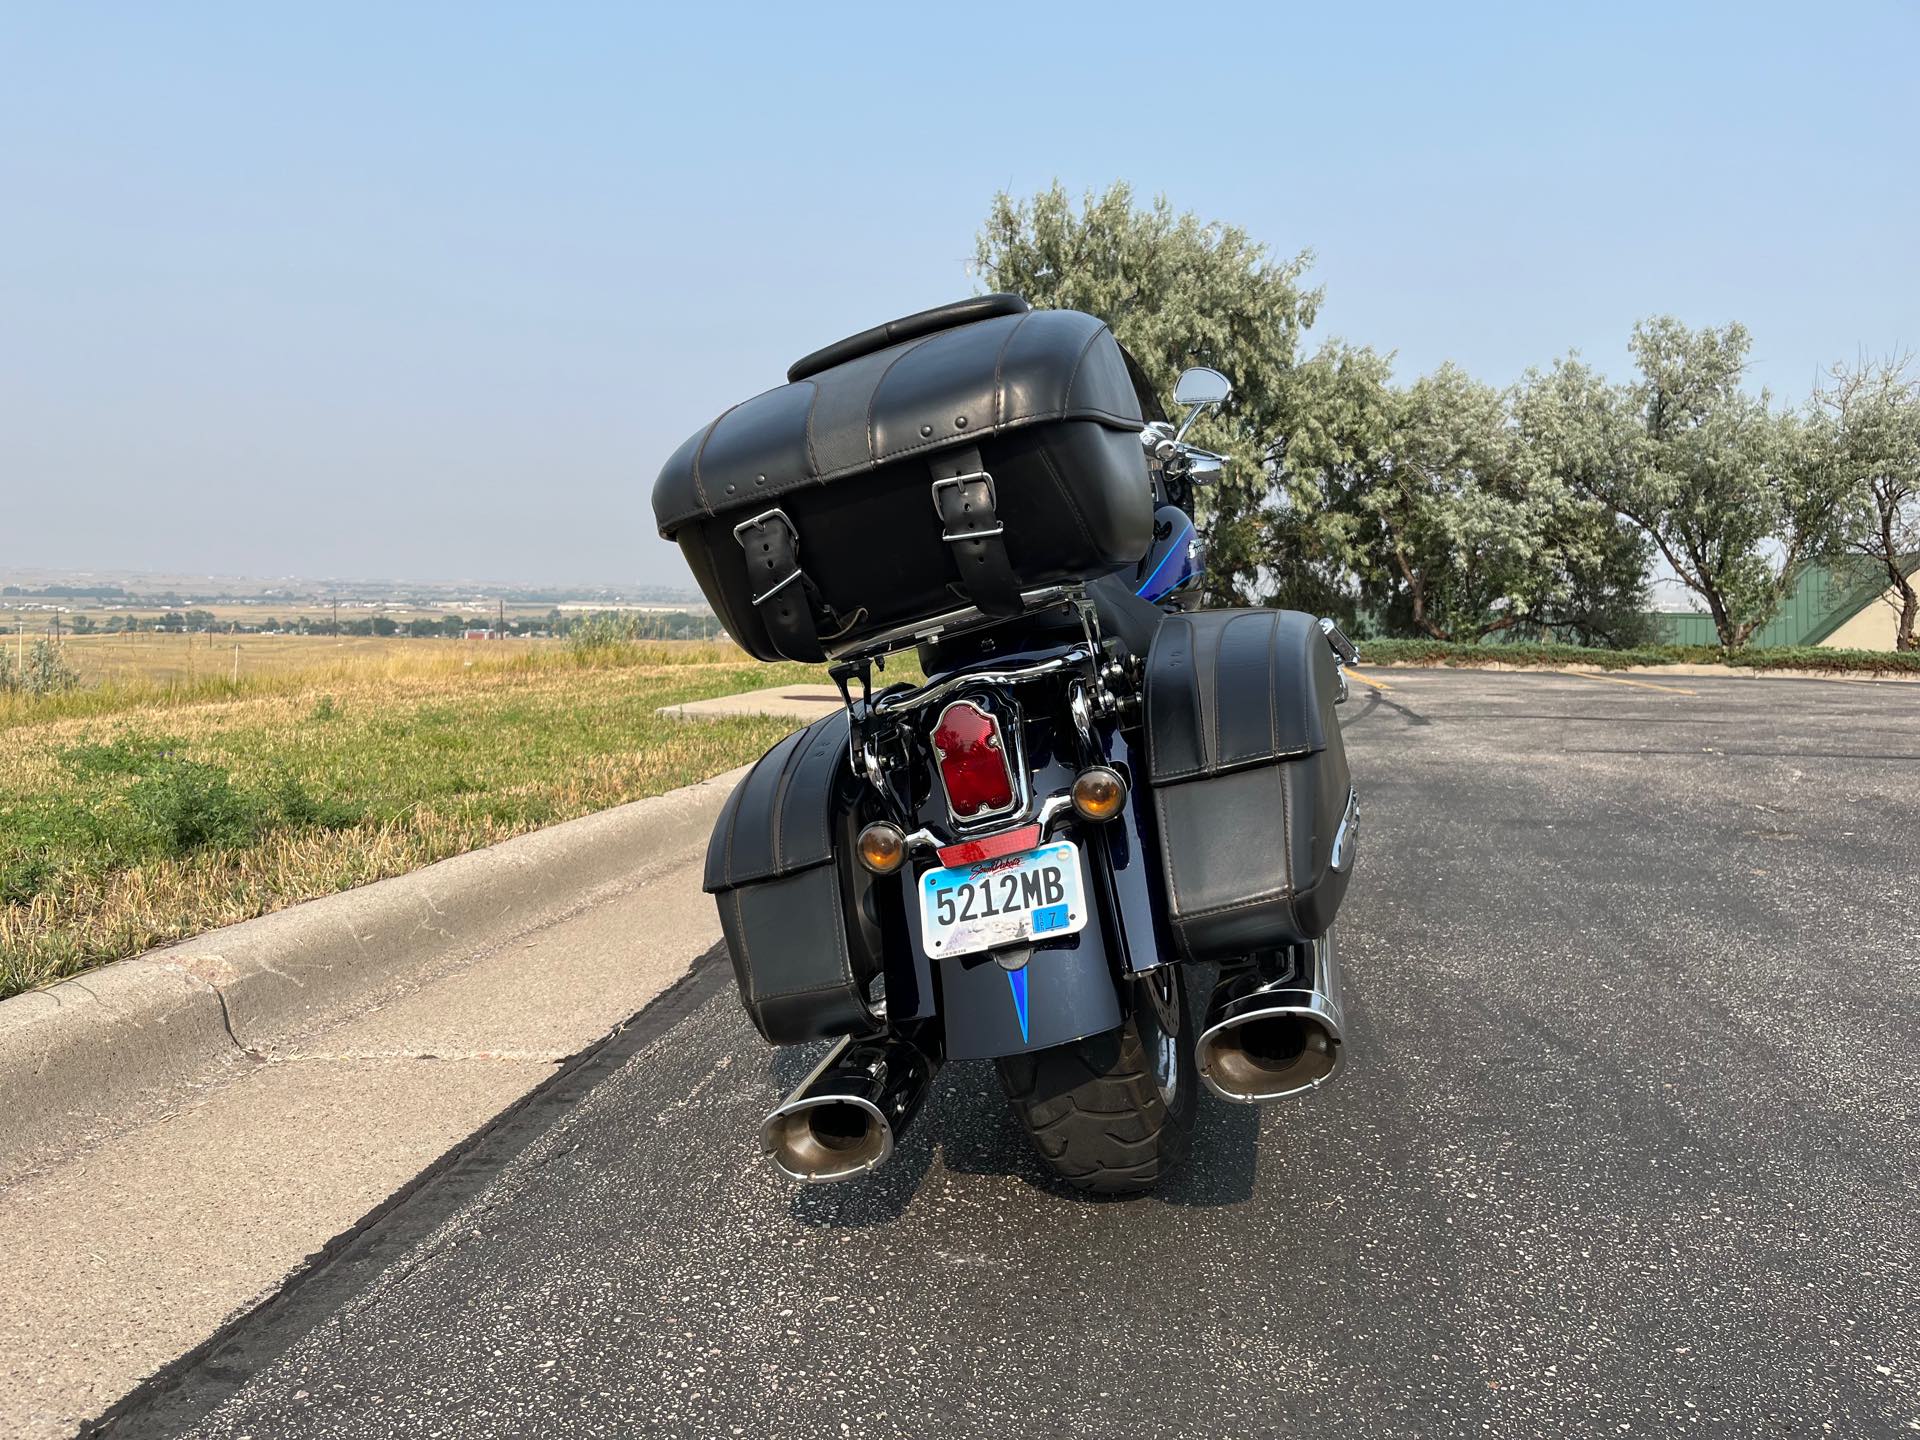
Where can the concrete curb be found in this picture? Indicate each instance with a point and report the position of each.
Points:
(78, 1058)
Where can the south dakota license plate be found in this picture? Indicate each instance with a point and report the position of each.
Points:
(1009, 901)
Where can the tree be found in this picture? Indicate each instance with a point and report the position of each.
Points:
(1868, 422)
(1178, 291)
(1585, 432)
(1732, 493)
(1464, 530)
(1423, 505)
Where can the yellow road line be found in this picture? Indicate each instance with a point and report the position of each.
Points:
(1622, 680)
(1353, 674)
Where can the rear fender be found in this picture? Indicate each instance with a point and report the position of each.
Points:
(1057, 990)
(1063, 991)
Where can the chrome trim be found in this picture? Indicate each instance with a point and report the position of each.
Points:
(1081, 710)
(993, 503)
(1180, 435)
(800, 1101)
(793, 532)
(765, 515)
(1235, 1076)
(1013, 758)
(967, 617)
(887, 1090)
(1051, 809)
(1348, 835)
(901, 701)
(779, 585)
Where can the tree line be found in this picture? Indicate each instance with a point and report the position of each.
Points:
(1457, 510)
(639, 625)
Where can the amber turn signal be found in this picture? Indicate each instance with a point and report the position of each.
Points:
(1099, 793)
(882, 847)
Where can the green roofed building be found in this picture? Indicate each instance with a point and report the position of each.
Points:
(1843, 607)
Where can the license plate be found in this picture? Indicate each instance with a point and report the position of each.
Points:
(1035, 895)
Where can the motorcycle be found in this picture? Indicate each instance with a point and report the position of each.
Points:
(1100, 801)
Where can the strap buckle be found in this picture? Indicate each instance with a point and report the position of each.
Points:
(993, 505)
(793, 548)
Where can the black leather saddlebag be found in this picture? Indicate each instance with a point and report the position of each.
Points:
(955, 458)
(1249, 779)
(804, 945)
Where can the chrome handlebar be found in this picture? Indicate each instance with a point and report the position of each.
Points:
(1177, 457)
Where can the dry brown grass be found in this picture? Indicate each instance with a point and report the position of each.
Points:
(395, 755)
(151, 658)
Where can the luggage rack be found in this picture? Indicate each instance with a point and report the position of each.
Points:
(951, 622)
(1096, 677)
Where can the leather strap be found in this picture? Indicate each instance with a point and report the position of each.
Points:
(964, 497)
(781, 588)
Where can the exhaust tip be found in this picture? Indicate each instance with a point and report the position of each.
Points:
(1267, 1039)
(826, 1137)
(1269, 1053)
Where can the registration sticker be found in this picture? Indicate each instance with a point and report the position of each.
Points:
(1011, 900)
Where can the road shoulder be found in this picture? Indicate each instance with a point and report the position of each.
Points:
(266, 1100)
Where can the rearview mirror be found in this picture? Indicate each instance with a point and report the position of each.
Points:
(1201, 386)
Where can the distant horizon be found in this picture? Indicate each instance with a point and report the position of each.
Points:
(41, 575)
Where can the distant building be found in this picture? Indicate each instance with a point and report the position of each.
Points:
(1849, 607)
(479, 635)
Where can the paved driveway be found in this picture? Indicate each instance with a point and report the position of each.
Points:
(1627, 1145)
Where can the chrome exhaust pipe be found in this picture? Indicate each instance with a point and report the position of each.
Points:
(1269, 1038)
(844, 1118)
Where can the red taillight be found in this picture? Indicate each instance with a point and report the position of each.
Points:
(973, 762)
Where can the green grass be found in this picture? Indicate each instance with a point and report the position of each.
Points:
(135, 815)
(1439, 652)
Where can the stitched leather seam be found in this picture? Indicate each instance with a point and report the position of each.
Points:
(1286, 844)
(999, 409)
(706, 511)
(1258, 762)
(1073, 378)
(991, 432)
(828, 989)
(837, 907)
(699, 452)
(746, 950)
(1265, 897)
(826, 810)
(760, 877)
(733, 826)
(1153, 646)
(813, 403)
(1166, 851)
(1273, 685)
(1066, 497)
(1212, 715)
(874, 394)
(780, 785)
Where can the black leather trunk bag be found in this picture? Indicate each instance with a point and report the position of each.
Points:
(1040, 400)
(1249, 779)
(799, 930)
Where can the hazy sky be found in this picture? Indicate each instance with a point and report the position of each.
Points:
(388, 290)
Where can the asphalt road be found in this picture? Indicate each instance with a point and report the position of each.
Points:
(1626, 1145)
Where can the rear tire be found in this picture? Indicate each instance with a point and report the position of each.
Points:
(1113, 1114)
